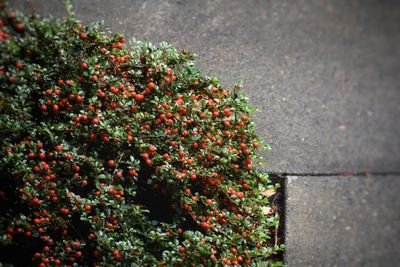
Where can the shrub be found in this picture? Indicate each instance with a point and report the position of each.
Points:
(117, 155)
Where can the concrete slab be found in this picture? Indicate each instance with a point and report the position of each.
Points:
(343, 221)
(325, 73)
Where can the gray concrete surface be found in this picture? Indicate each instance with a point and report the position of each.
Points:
(325, 73)
(343, 221)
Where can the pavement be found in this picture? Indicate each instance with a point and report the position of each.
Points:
(325, 75)
(343, 221)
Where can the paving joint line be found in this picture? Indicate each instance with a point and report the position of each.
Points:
(347, 174)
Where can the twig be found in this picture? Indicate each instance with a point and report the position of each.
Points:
(68, 7)
(276, 233)
(115, 65)
(120, 158)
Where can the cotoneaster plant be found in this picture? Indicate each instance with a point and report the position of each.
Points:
(124, 155)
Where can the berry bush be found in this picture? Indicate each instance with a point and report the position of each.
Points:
(124, 155)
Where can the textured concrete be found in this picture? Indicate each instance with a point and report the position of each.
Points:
(343, 221)
(325, 73)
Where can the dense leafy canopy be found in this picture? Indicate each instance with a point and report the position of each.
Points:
(123, 155)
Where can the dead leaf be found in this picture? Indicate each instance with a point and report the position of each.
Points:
(266, 210)
(268, 193)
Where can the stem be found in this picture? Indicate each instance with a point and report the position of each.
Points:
(276, 233)
(68, 7)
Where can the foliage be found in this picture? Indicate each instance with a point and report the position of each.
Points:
(123, 155)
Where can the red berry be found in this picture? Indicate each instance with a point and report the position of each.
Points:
(111, 163)
(139, 97)
(19, 65)
(96, 253)
(36, 201)
(83, 35)
(117, 255)
(121, 59)
(111, 191)
(19, 26)
(151, 85)
(64, 211)
(79, 99)
(77, 168)
(84, 65)
(182, 250)
(114, 89)
(36, 169)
